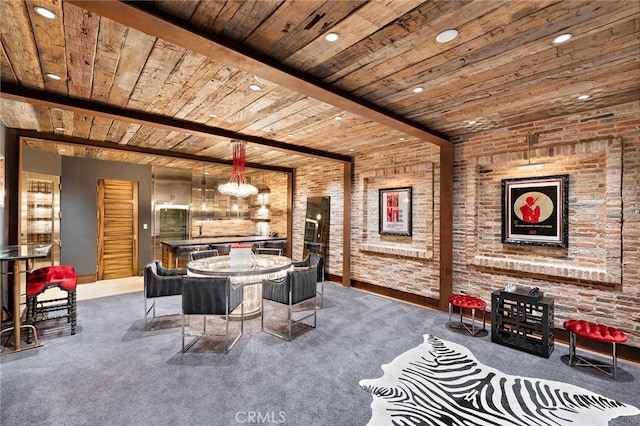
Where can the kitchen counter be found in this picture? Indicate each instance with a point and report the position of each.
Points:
(175, 252)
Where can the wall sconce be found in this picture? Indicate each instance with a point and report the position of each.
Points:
(263, 194)
(532, 139)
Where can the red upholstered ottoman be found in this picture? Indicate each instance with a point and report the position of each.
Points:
(463, 301)
(593, 331)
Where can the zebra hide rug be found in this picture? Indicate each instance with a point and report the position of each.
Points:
(441, 383)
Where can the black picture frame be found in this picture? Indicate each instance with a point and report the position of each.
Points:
(534, 211)
(395, 211)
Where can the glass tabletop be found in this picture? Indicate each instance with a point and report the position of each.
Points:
(24, 251)
(222, 266)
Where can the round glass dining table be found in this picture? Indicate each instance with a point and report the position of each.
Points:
(250, 275)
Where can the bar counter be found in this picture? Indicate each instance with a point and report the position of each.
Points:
(175, 252)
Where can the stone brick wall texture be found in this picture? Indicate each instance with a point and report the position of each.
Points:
(597, 278)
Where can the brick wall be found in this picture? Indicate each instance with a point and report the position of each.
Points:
(596, 278)
(406, 263)
(320, 179)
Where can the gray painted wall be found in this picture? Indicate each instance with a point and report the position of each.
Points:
(79, 209)
(78, 203)
(41, 162)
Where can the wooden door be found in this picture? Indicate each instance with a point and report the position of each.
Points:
(117, 229)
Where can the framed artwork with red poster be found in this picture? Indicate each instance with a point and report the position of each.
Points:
(534, 211)
(395, 211)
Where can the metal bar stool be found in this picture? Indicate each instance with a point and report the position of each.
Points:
(42, 279)
(598, 332)
(463, 301)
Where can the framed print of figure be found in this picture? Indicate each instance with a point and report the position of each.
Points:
(534, 211)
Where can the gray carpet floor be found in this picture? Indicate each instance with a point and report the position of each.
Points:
(113, 372)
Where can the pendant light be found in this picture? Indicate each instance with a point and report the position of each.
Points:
(237, 185)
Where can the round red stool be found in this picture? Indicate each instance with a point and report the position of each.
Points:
(463, 301)
(593, 331)
(42, 279)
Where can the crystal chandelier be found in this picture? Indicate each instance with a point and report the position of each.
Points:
(238, 185)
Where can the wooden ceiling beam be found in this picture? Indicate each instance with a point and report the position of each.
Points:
(36, 97)
(112, 146)
(139, 15)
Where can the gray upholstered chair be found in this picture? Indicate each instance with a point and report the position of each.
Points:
(315, 260)
(292, 291)
(223, 249)
(195, 255)
(209, 296)
(268, 250)
(159, 282)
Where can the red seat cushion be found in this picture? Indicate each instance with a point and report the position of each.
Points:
(61, 275)
(468, 302)
(593, 331)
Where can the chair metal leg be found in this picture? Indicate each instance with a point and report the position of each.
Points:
(73, 311)
(473, 322)
(572, 348)
(289, 317)
(31, 312)
(614, 360)
(580, 361)
(288, 335)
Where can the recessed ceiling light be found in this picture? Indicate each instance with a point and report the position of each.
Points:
(44, 12)
(290, 135)
(583, 97)
(401, 138)
(577, 88)
(254, 87)
(472, 122)
(53, 76)
(562, 38)
(446, 36)
(331, 37)
(212, 115)
(60, 129)
(418, 89)
(338, 117)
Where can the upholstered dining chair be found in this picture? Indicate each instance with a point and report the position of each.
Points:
(292, 291)
(195, 255)
(159, 282)
(210, 296)
(268, 250)
(315, 260)
(223, 249)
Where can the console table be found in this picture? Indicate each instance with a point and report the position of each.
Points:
(523, 322)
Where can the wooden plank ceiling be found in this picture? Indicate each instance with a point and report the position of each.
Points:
(175, 76)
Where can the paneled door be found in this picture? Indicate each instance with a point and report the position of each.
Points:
(117, 229)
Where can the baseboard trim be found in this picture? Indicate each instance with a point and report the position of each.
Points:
(85, 279)
(625, 352)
